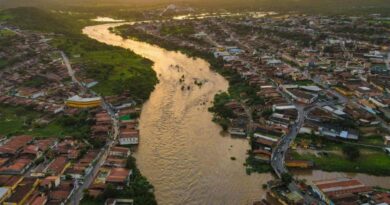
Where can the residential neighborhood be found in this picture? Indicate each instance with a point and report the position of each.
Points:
(213, 106)
(317, 79)
(39, 169)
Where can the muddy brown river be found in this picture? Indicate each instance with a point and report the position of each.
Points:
(181, 151)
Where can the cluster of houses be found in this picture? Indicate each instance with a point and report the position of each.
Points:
(51, 171)
(307, 58)
(128, 126)
(330, 191)
(114, 172)
(35, 76)
(42, 171)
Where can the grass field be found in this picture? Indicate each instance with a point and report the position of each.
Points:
(371, 161)
(375, 163)
(22, 120)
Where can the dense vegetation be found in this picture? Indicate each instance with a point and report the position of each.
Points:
(174, 30)
(118, 70)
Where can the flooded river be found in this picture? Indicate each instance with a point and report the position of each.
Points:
(182, 152)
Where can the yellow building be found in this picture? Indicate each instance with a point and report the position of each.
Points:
(343, 91)
(79, 102)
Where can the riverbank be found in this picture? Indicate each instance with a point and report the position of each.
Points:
(180, 144)
(239, 90)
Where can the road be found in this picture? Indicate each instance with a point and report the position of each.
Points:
(88, 179)
(278, 154)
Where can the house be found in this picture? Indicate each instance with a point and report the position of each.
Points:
(111, 201)
(4, 193)
(387, 140)
(31, 93)
(50, 182)
(115, 162)
(265, 142)
(301, 96)
(37, 198)
(61, 194)
(263, 155)
(121, 152)
(10, 181)
(57, 166)
(129, 137)
(277, 119)
(17, 167)
(337, 191)
(15, 145)
(119, 177)
(236, 131)
(31, 152)
(336, 133)
(22, 192)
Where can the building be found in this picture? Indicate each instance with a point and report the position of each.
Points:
(121, 152)
(303, 164)
(17, 167)
(129, 137)
(23, 191)
(119, 177)
(119, 201)
(265, 142)
(10, 181)
(301, 96)
(58, 166)
(340, 190)
(79, 102)
(4, 193)
(387, 140)
(15, 145)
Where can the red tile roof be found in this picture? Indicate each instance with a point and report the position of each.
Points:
(118, 175)
(57, 165)
(15, 144)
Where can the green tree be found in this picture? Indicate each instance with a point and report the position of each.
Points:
(130, 162)
(351, 152)
(287, 178)
(109, 192)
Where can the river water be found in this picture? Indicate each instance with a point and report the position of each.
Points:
(181, 151)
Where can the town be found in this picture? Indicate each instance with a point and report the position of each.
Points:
(307, 91)
(40, 162)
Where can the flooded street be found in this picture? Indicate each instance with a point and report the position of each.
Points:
(182, 152)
